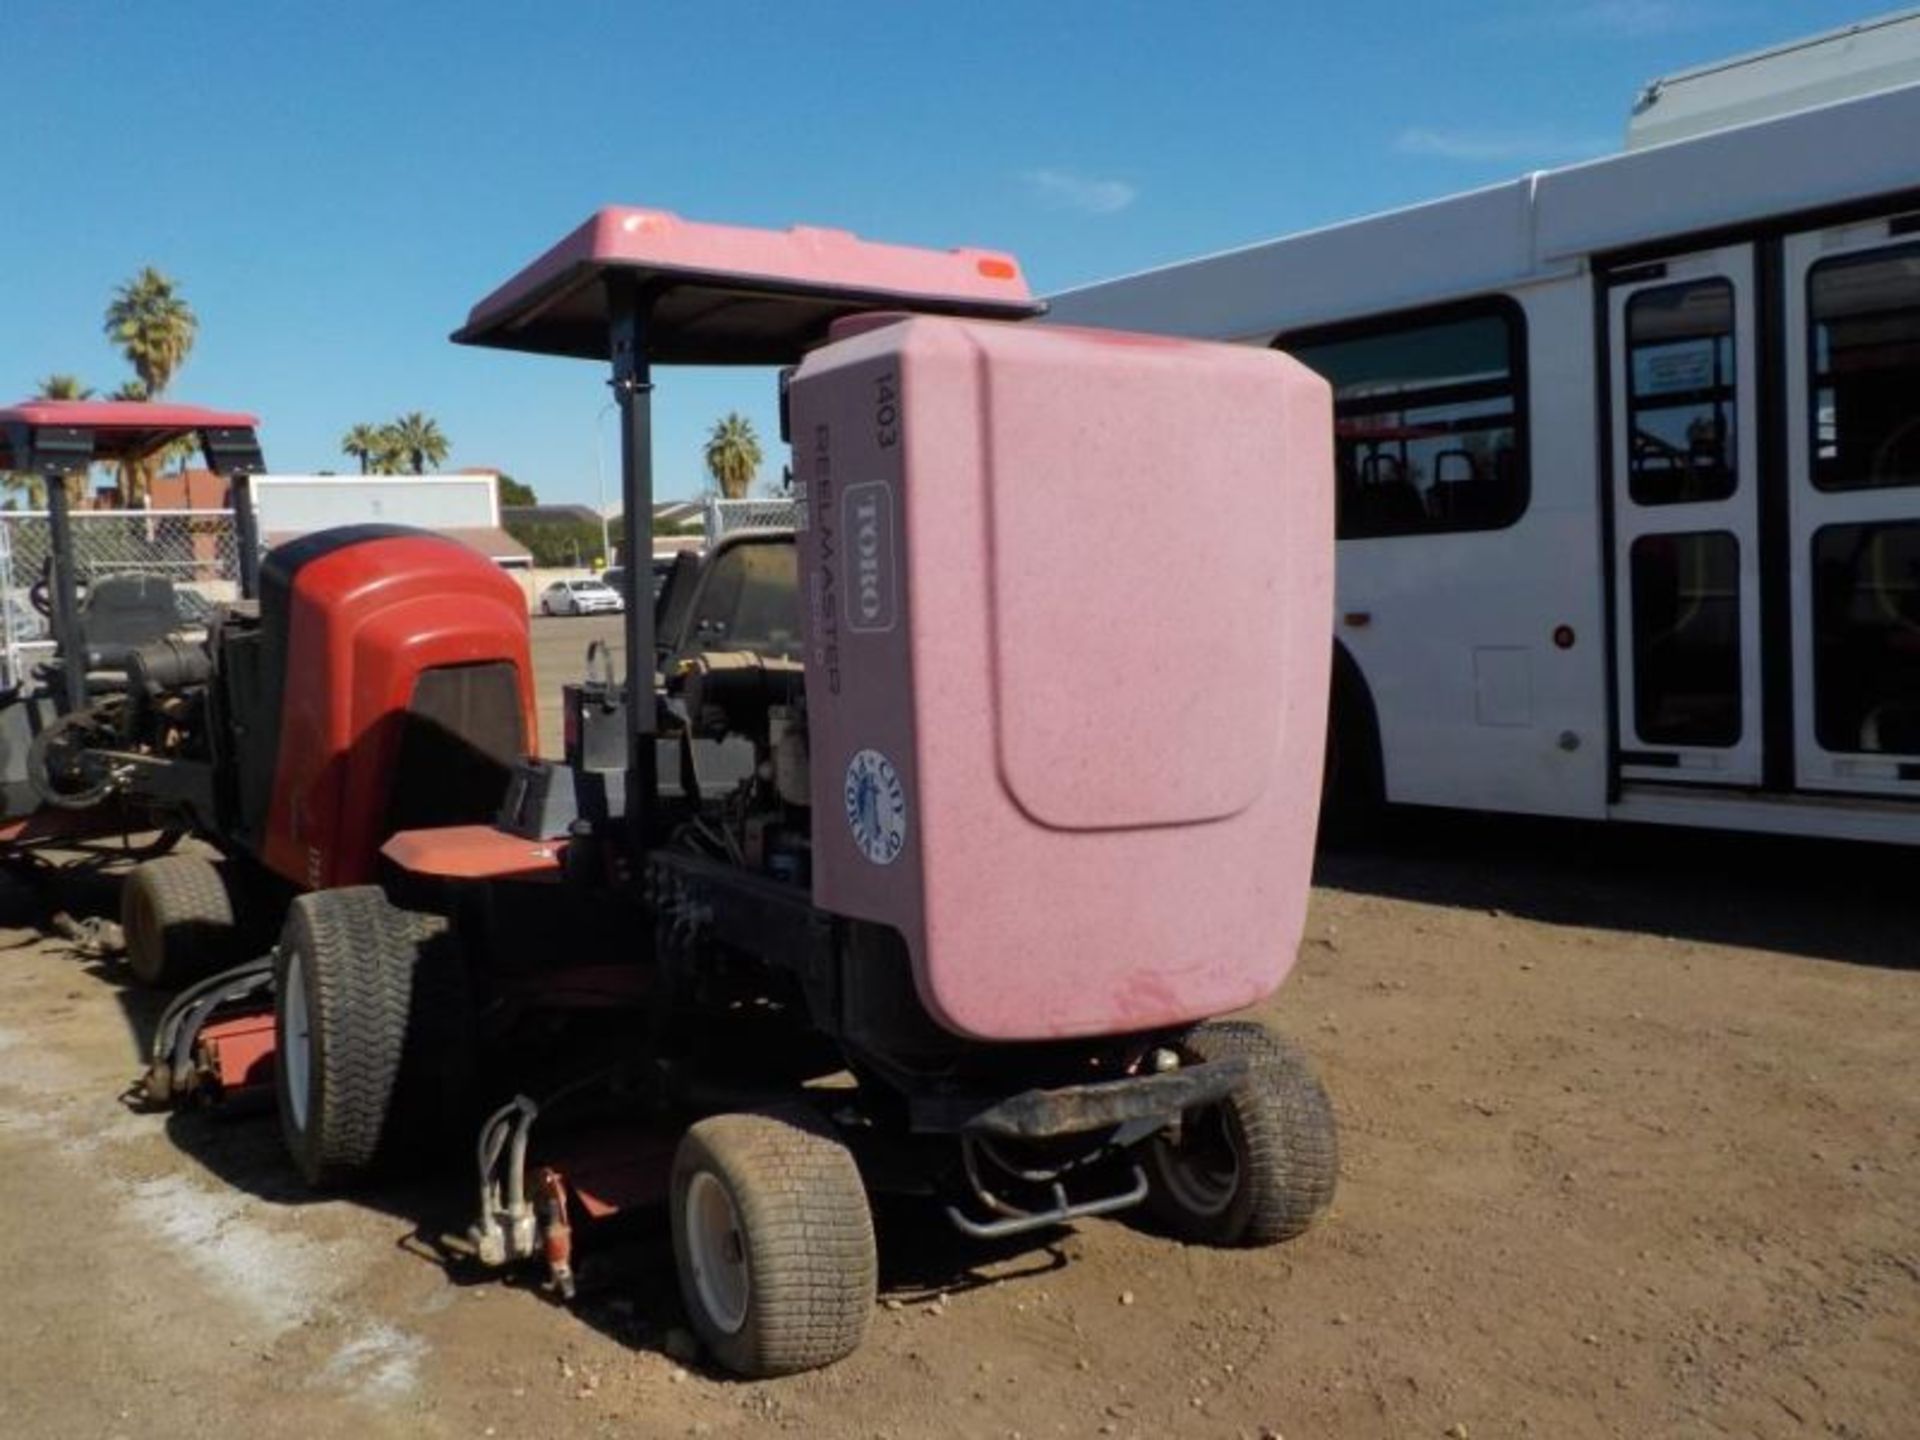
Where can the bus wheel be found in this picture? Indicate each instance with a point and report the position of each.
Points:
(773, 1241)
(1257, 1167)
(1352, 792)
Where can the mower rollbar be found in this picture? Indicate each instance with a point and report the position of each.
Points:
(630, 306)
(246, 534)
(235, 453)
(64, 598)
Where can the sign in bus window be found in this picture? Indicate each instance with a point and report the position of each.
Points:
(1686, 638)
(1866, 638)
(1865, 336)
(1428, 419)
(1680, 394)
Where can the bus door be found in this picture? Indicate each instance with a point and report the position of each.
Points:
(1852, 337)
(1684, 499)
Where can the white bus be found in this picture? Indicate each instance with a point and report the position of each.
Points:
(1629, 475)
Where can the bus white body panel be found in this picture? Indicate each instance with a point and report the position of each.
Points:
(1476, 705)
(1668, 571)
(1535, 227)
(1858, 59)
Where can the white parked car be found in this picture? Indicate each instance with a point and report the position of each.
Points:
(580, 597)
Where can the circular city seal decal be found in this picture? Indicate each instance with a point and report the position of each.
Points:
(876, 807)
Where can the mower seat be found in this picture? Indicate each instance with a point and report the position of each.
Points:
(123, 612)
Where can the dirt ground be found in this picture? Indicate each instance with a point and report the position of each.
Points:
(1631, 1147)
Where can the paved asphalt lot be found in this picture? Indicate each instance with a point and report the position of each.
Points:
(560, 656)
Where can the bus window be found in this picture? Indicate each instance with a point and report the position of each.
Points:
(1680, 389)
(1429, 432)
(1865, 312)
(1686, 638)
(1866, 637)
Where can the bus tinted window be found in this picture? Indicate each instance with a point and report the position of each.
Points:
(1866, 638)
(1680, 393)
(1865, 319)
(1428, 420)
(1686, 638)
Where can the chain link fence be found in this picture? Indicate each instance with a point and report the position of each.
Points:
(724, 517)
(198, 550)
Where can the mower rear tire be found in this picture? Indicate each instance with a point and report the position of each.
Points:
(1259, 1166)
(773, 1241)
(177, 920)
(370, 1012)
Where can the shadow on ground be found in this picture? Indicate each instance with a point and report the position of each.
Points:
(630, 1293)
(1823, 899)
(73, 897)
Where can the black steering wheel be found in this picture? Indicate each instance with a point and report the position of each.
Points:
(40, 593)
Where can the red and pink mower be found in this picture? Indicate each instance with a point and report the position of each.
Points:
(940, 835)
(365, 680)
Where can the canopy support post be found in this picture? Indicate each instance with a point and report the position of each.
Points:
(246, 533)
(629, 307)
(63, 597)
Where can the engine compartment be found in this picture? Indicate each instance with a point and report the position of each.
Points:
(381, 681)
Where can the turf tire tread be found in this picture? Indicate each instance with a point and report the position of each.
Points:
(808, 1232)
(360, 955)
(192, 918)
(1291, 1140)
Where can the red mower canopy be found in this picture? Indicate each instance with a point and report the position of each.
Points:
(730, 295)
(82, 432)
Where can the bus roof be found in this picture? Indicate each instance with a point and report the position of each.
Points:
(1867, 55)
(1536, 227)
(120, 428)
(730, 295)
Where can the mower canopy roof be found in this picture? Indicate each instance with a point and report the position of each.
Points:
(730, 295)
(109, 430)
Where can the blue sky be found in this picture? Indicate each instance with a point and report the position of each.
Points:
(334, 184)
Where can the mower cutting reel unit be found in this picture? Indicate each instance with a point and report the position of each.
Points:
(941, 832)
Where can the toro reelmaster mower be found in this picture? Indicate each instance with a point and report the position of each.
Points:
(118, 625)
(946, 830)
(366, 680)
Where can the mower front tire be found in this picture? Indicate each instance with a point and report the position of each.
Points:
(370, 1011)
(177, 919)
(1259, 1166)
(773, 1241)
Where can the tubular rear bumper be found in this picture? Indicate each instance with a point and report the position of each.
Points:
(1082, 1109)
(1117, 1114)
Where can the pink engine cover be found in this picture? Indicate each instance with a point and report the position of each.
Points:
(1069, 608)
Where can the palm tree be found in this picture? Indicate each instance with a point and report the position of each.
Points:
(417, 437)
(134, 473)
(153, 327)
(23, 485)
(733, 455)
(365, 443)
(64, 387)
